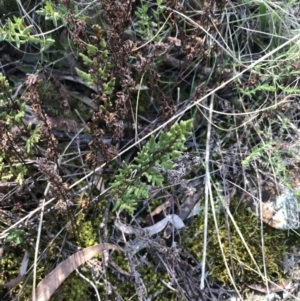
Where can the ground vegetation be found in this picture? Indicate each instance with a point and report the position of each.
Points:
(149, 149)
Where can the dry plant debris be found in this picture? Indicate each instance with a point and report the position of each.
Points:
(82, 88)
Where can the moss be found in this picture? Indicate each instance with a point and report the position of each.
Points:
(87, 235)
(74, 288)
(150, 275)
(10, 264)
(238, 258)
(152, 280)
(50, 98)
(88, 230)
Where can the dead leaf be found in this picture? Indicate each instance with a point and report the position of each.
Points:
(158, 210)
(273, 287)
(52, 281)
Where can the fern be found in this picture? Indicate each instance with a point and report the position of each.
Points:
(129, 185)
(85, 77)
(33, 139)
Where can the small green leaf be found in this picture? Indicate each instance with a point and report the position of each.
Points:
(167, 165)
(148, 176)
(102, 44)
(17, 40)
(27, 29)
(92, 50)
(86, 60)
(48, 43)
(16, 236)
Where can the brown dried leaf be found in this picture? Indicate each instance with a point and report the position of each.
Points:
(158, 210)
(273, 287)
(52, 281)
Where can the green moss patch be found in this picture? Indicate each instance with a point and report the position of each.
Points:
(240, 259)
